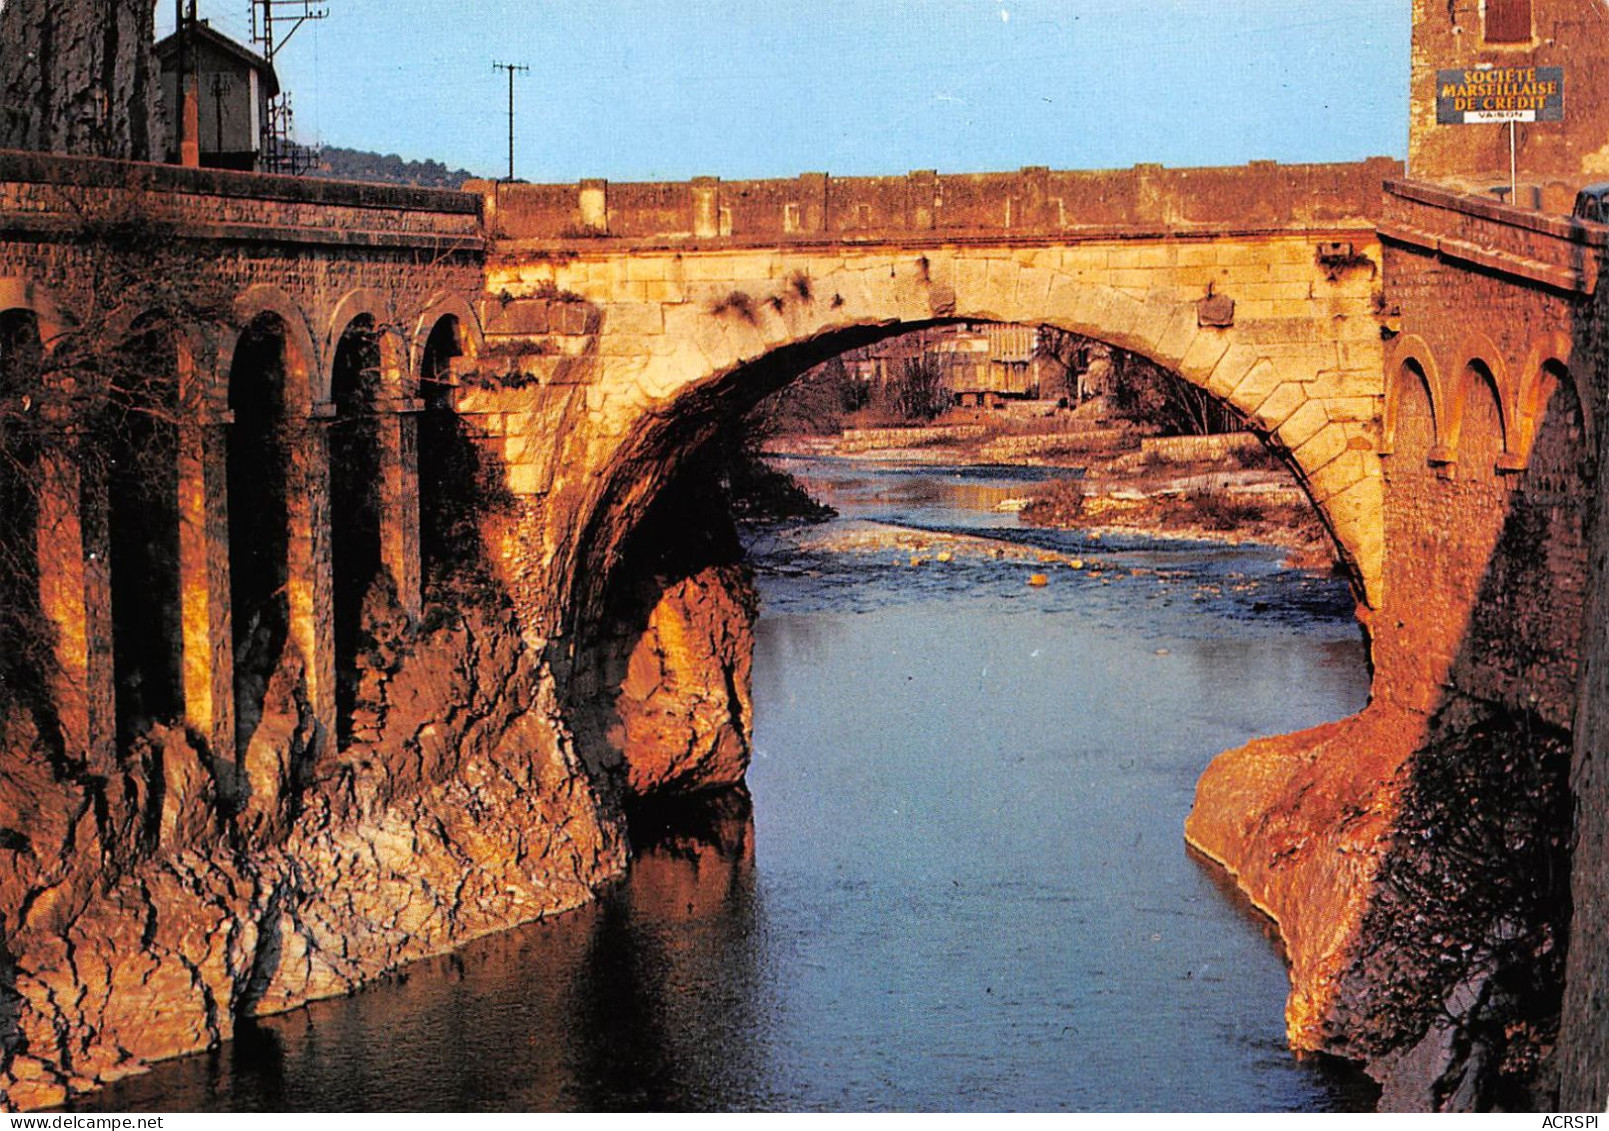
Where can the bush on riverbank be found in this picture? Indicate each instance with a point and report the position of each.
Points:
(762, 495)
(1200, 512)
(1058, 503)
(1223, 511)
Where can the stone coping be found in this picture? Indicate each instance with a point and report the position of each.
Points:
(19, 166)
(1484, 207)
(1557, 251)
(1031, 203)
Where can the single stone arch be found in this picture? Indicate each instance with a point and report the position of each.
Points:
(1411, 360)
(471, 336)
(1480, 363)
(49, 315)
(1547, 362)
(712, 340)
(301, 357)
(379, 308)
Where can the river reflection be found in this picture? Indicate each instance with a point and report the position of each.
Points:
(961, 885)
(649, 999)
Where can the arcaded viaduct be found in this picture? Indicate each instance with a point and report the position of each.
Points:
(303, 655)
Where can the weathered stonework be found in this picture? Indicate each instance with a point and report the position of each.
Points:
(530, 662)
(463, 813)
(659, 319)
(586, 377)
(80, 77)
(1414, 855)
(1552, 159)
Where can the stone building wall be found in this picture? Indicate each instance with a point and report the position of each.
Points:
(1554, 157)
(1584, 1040)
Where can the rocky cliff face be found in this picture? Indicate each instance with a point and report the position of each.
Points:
(684, 707)
(142, 915)
(1302, 821)
(661, 696)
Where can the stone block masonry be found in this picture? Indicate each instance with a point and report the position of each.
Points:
(1420, 881)
(429, 430)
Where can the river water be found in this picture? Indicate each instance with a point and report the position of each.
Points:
(962, 885)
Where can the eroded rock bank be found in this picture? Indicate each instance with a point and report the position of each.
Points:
(1419, 881)
(661, 694)
(146, 912)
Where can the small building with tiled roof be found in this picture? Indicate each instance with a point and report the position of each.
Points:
(234, 86)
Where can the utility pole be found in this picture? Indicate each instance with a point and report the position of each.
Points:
(280, 155)
(511, 68)
(189, 85)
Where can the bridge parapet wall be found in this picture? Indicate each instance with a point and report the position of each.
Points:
(1479, 232)
(44, 194)
(815, 206)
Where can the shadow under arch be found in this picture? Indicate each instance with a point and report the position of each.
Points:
(142, 422)
(671, 427)
(258, 470)
(1546, 368)
(26, 640)
(468, 333)
(663, 442)
(657, 516)
(1472, 907)
(359, 380)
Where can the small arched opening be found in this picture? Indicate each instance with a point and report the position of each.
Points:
(1482, 433)
(355, 501)
(259, 526)
(1413, 423)
(447, 461)
(141, 446)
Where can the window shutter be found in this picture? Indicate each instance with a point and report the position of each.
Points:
(1508, 21)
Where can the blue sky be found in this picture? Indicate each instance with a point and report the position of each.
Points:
(668, 89)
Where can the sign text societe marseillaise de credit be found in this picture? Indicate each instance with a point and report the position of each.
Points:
(1500, 94)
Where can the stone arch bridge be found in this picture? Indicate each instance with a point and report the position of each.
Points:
(300, 712)
(569, 327)
(630, 304)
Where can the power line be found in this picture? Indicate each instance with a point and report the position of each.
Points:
(262, 22)
(511, 68)
(280, 152)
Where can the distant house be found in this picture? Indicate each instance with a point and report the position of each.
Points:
(234, 88)
(992, 363)
(981, 364)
